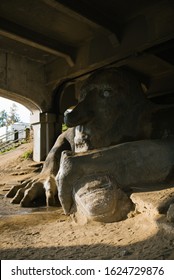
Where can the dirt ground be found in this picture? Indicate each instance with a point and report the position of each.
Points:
(46, 233)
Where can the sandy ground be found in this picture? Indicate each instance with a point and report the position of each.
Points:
(46, 233)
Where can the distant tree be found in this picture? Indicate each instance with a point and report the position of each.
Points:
(13, 115)
(3, 118)
(8, 119)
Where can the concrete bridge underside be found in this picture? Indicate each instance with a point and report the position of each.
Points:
(48, 47)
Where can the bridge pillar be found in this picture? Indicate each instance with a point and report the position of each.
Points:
(45, 132)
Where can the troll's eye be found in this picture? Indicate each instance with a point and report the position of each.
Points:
(106, 93)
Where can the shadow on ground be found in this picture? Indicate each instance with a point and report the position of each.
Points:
(153, 248)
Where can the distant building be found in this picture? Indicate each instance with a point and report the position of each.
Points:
(3, 132)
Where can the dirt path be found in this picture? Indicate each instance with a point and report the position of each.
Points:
(46, 233)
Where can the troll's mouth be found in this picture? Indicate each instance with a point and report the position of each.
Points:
(82, 142)
(81, 146)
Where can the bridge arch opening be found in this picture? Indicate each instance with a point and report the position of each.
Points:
(29, 104)
(21, 113)
(37, 120)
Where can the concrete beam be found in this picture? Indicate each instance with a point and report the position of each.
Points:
(23, 35)
(87, 14)
(139, 35)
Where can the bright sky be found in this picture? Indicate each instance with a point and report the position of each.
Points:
(22, 111)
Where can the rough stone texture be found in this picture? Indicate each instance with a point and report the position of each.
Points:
(164, 226)
(97, 198)
(153, 203)
(140, 164)
(157, 206)
(170, 213)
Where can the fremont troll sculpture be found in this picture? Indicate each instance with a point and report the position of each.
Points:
(117, 140)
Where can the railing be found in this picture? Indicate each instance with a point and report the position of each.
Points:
(13, 138)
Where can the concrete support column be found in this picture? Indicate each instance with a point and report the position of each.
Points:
(45, 132)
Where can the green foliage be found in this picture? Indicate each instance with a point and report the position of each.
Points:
(8, 119)
(64, 127)
(28, 154)
(13, 146)
(3, 118)
(13, 116)
(10, 148)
